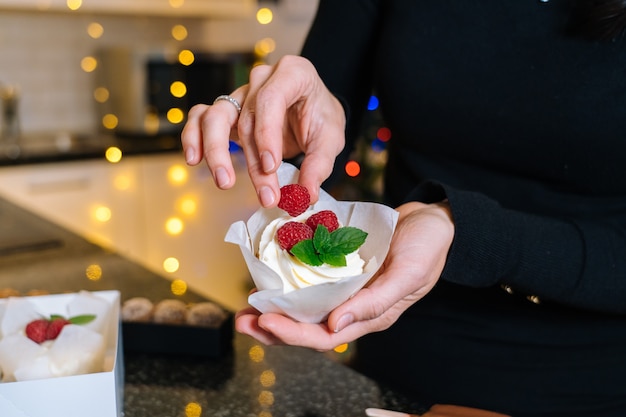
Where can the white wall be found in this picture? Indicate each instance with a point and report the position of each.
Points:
(41, 53)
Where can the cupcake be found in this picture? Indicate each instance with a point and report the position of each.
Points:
(306, 286)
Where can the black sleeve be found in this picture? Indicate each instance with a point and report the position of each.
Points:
(580, 262)
(341, 45)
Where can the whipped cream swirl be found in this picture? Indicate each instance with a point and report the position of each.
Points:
(294, 273)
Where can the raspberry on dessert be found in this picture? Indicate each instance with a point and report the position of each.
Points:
(291, 233)
(294, 199)
(36, 330)
(326, 218)
(55, 327)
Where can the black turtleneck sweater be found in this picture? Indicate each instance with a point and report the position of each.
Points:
(522, 127)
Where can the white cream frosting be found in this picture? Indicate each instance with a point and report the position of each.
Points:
(294, 273)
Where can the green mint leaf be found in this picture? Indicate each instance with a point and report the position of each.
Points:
(305, 252)
(333, 258)
(347, 239)
(82, 319)
(329, 248)
(321, 238)
(56, 316)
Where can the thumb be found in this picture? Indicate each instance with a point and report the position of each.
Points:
(364, 312)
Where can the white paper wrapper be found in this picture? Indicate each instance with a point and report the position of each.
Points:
(313, 304)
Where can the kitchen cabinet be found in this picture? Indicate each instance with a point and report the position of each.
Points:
(190, 8)
(128, 206)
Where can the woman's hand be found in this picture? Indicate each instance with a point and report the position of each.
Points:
(286, 111)
(416, 258)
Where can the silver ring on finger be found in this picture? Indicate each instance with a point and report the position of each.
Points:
(230, 99)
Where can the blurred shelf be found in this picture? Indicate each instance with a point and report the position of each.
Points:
(189, 8)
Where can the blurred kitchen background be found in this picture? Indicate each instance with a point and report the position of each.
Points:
(94, 95)
(49, 48)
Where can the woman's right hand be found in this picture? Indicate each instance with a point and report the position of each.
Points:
(286, 111)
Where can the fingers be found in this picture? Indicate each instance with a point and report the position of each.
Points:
(206, 135)
(286, 111)
(246, 322)
(290, 111)
(262, 158)
(414, 263)
(290, 332)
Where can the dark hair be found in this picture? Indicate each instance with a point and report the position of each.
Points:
(603, 20)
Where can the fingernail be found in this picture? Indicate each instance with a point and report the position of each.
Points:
(267, 162)
(266, 195)
(344, 321)
(221, 177)
(189, 155)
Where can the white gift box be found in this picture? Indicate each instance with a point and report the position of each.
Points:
(97, 394)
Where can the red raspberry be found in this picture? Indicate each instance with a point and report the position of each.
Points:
(55, 328)
(294, 199)
(326, 218)
(291, 233)
(36, 330)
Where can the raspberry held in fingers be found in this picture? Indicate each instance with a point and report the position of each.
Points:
(294, 199)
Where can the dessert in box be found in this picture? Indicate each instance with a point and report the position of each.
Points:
(64, 351)
(304, 270)
(172, 326)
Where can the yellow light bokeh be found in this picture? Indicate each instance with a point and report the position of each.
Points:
(267, 378)
(175, 115)
(266, 398)
(265, 413)
(102, 214)
(193, 410)
(174, 226)
(265, 46)
(113, 154)
(171, 265)
(186, 57)
(74, 4)
(178, 89)
(89, 64)
(93, 272)
(188, 205)
(178, 287)
(101, 94)
(122, 182)
(256, 353)
(177, 4)
(109, 121)
(177, 174)
(264, 16)
(95, 30)
(179, 32)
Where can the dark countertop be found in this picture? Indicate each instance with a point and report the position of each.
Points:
(274, 381)
(55, 147)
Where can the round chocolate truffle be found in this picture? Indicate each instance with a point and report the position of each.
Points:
(170, 312)
(206, 314)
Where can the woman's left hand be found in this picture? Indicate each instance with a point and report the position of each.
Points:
(415, 261)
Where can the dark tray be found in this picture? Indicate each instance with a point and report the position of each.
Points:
(178, 339)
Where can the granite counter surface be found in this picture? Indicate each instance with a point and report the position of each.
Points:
(248, 380)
